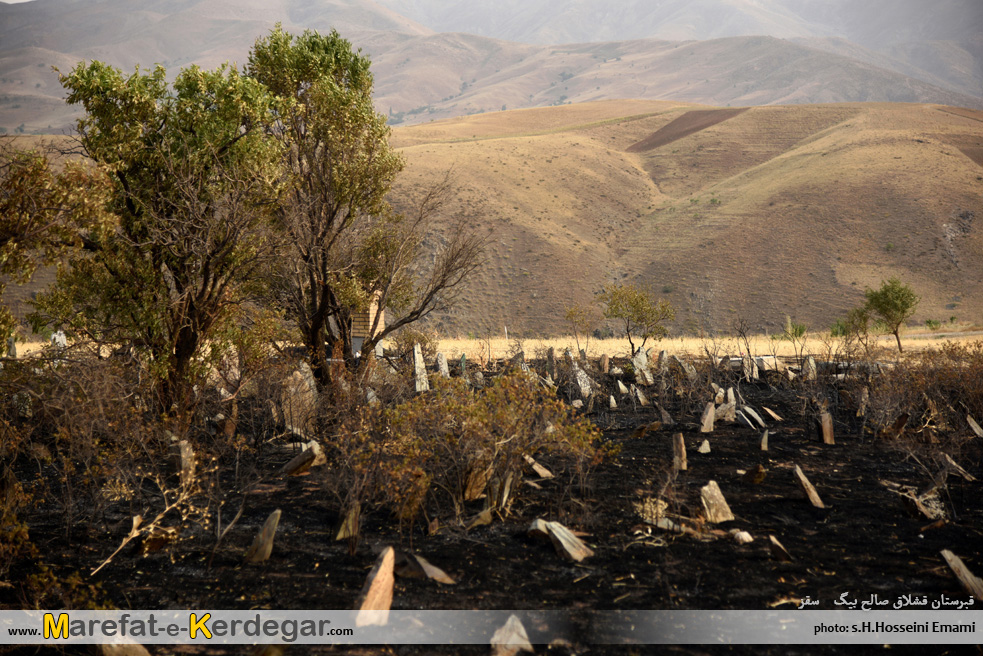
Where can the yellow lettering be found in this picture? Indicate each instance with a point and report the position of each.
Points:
(199, 625)
(55, 629)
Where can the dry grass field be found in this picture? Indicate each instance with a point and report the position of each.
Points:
(478, 349)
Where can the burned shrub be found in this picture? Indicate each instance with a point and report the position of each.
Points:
(441, 450)
(937, 389)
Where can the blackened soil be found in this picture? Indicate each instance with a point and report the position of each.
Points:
(863, 543)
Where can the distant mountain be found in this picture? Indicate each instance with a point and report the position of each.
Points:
(423, 75)
(943, 38)
(445, 75)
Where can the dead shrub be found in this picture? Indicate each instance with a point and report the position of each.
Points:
(440, 450)
(936, 389)
(403, 340)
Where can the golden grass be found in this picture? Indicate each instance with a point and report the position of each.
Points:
(478, 350)
(482, 350)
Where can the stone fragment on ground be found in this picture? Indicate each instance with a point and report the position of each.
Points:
(567, 545)
(510, 639)
(414, 566)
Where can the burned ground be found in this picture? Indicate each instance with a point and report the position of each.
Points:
(864, 542)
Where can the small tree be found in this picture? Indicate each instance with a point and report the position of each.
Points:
(894, 303)
(641, 313)
(583, 319)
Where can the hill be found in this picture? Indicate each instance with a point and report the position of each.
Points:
(731, 214)
(749, 213)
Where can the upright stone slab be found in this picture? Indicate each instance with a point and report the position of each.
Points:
(299, 401)
(727, 413)
(442, 365)
(706, 421)
(662, 362)
(621, 388)
(809, 369)
(11, 347)
(582, 380)
(464, 367)
(612, 404)
(551, 363)
(604, 364)
(183, 462)
(58, 340)
(730, 397)
(511, 639)
(807, 487)
(376, 597)
(678, 452)
(262, 546)
(825, 427)
(687, 368)
(714, 505)
(420, 370)
(640, 363)
(749, 411)
(749, 368)
(664, 416)
(640, 395)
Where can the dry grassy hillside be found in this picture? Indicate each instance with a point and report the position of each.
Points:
(731, 213)
(751, 215)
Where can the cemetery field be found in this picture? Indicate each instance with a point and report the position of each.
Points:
(865, 508)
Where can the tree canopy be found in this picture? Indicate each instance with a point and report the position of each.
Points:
(192, 178)
(641, 314)
(346, 247)
(894, 302)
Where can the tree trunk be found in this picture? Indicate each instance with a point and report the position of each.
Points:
(897, 336)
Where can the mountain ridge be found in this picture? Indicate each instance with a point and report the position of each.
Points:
(423, 75)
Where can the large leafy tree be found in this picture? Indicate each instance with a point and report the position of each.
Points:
(44, 213)
(346, 246)
(192, 179)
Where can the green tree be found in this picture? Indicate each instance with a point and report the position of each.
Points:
(583, 319)
(345, 245)
(641, 314)
(192, 179)
(44, 213)
(894, 303)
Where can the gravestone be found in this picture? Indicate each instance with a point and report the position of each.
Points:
(420, 370)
